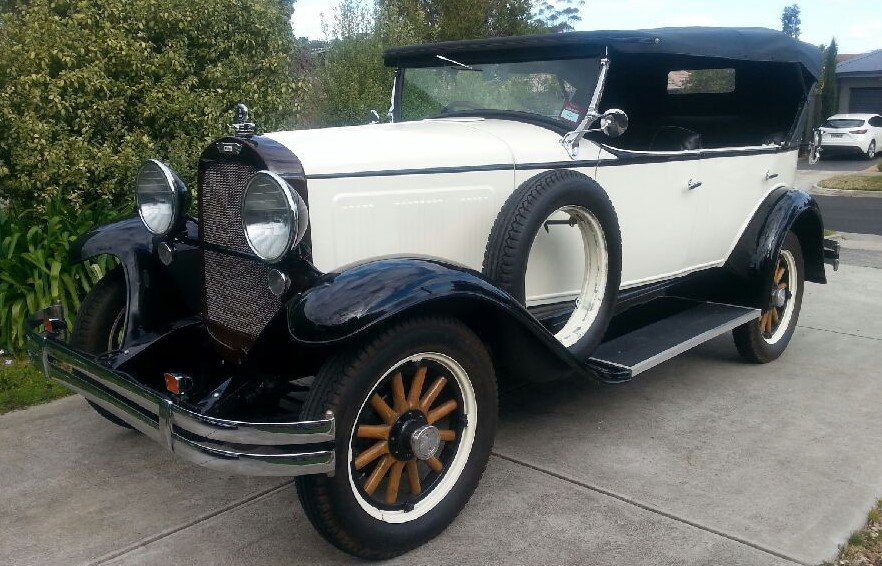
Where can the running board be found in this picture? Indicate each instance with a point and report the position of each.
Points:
(624, 356)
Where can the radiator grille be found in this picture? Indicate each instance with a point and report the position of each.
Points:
(236, 292)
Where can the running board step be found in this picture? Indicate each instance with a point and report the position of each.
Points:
(627, 355)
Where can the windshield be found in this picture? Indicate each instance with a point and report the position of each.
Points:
(558, 91)
(843, 123)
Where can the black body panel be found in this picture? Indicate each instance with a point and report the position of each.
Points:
(157, 295)
(755, 255)
(343, 305)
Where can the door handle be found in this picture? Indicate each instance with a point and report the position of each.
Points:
(693, 184)
(770, 175)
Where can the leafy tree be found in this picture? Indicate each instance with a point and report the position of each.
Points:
(790, 21)
(447, 20)
(559, 15)
(88, 89)
(827, 83)
(349, 77)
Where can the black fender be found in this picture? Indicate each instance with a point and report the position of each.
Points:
(754, 257)
(348, 304)
(156, 295)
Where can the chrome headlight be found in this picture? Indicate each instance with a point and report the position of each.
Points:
(161, 196)
(273, 215)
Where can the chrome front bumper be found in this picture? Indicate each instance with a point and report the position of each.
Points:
(257, 449)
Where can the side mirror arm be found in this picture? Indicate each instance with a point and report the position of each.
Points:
(570, 141)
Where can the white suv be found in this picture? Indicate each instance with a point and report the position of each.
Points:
(860, 133)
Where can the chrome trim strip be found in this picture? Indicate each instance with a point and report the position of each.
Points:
(262, 449)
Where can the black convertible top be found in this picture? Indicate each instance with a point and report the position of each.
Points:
(741, 44)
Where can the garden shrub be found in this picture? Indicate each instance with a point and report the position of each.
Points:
(90, 88)
(34, 267)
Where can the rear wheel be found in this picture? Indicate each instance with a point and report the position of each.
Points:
(871, 150)
(415, 409)
(765, 339)
(99, 325)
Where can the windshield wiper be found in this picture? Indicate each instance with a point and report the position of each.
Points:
(458, 64)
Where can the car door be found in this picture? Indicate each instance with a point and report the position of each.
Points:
(654, 194)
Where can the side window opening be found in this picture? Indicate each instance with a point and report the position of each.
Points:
(701, 81)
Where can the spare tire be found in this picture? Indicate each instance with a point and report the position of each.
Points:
(525, 213)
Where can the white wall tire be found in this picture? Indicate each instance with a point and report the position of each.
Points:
(765, 339)
(524, 215)
(374, 507)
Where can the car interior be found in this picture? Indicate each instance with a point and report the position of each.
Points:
(760, 107)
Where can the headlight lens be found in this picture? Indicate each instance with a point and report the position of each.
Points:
(273, 215)
(162, 198)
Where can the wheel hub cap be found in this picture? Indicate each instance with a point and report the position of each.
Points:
(779, 297)
(425, 442)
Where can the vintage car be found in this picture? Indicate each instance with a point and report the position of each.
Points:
(343, 303)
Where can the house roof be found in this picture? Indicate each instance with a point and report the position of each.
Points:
(741, 44)
(866, 64)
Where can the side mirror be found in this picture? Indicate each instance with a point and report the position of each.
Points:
(614, 122)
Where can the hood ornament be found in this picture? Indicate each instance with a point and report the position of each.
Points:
(242, 124)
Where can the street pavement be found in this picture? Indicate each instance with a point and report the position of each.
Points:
(849, 213)
(703, 460)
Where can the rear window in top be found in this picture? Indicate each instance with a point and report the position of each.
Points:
(701, 81)
(843, 123)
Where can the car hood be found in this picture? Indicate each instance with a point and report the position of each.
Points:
(427, 144)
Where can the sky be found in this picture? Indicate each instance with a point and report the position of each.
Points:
(856, 24)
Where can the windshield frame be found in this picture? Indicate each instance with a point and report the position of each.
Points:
(553, 124)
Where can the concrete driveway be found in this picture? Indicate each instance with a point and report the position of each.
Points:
(703, 460)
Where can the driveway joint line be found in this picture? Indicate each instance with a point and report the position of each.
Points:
(183, 526)
(840, 332)
(654, 510)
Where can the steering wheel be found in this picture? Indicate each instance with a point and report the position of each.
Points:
(458, 105)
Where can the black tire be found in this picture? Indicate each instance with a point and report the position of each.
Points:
(521, 218)
(871, 150)
(343, 386)
(752, 342)
(96, 322)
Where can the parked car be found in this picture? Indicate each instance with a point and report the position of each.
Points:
(346, 301)
(851, 133)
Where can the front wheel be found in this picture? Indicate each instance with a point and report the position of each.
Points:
(871, 150)
(100, 322)
(765, 339)
(415, 408)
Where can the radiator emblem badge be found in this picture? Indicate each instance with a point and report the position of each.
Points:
(229, 148)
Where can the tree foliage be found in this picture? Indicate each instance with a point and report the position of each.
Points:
(559, 15)
(790, 21)
(448, 20)
(349, 79)
(827, 83)
(89, 88)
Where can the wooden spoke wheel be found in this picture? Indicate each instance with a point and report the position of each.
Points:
(765, 339)
(415, 411)
(775, 320)
(407, 434)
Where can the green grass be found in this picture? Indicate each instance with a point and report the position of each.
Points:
(23, 385)
(865, 546)
(854, 182)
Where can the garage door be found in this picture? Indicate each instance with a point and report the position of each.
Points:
(865, 101)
